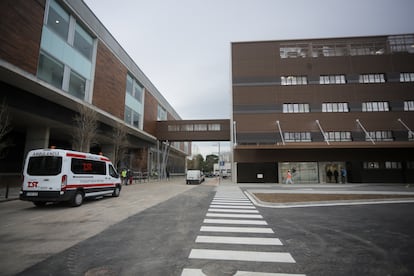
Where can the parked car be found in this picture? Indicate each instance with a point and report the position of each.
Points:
(194, 177)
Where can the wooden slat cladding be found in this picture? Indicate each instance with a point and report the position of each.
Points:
(110, 82)
(21, 24)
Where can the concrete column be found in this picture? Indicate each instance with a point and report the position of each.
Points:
(108, 151)
(37, 138)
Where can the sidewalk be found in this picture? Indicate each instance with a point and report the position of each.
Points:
(13, 193)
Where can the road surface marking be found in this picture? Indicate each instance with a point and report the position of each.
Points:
(238, 240)
(232, 210)
(236, 229)
(232, 206)
(250, 256)
(235, 221)
(233, 216)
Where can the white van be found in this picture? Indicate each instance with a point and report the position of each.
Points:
(194, 176)
(52, 175)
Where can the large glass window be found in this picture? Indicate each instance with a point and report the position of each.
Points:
(339, 136)
(401, 43)
(406, 77)
(375, 106)
(297, 136)
(294, 80)
(335, 107)
(161, 114)
(50, 70)
(408, 105)
(295, 108)
(133, 102)
(67, 46)
(77, 85)
(332, 79)
(372, 78)
(381, 135)
(58, 20)
(83, 42)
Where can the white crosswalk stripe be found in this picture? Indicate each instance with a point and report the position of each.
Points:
(235, 221)
(231, 207)
(233, 216)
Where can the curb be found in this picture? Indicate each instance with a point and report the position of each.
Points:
(260, 203)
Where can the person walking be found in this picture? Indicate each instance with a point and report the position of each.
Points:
(124, 178)
(343, 175)
(289, 179)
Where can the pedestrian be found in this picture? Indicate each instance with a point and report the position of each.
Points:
(124, 178)
(336, 174)
(329, 175)
(167, 172)
(343, 175)
(129, 177)
(289, 179)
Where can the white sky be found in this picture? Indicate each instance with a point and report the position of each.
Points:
(183, 46)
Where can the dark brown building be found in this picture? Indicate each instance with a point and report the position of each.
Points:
(55, 55)
(321, 106)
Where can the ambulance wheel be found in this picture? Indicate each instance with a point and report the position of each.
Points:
(39, 203)
(116, 192)
(77, 199)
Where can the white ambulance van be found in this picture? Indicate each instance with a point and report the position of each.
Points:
(52, 175)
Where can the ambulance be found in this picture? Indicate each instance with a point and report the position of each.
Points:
(53, 175)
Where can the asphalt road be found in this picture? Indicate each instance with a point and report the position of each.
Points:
(160, 239)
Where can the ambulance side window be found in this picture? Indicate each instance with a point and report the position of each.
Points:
(112, 172)
(84, 166)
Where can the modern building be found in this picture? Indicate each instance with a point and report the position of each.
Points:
(318, 106)
(55, 57)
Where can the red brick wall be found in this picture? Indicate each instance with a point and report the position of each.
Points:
(110, 82)
(21, 24)
(150, 113)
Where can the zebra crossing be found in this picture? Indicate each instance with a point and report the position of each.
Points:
(232, 220)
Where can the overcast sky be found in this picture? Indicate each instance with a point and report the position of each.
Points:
(183, 46)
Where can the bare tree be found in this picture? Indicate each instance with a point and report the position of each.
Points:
(86, 125)
(4, 128)
(120, 142)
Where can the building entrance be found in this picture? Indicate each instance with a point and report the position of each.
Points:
(331, 172)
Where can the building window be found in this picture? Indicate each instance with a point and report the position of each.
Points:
(133, 102)
(58, 20)
(83, 42)
(50, 70)
(134, 88)
(335, 107)
(329, 50)
(77, 85)
(401, 43)
(371, 165)
(173, 128)
(381, 135)
(295, 108)
(200, 127)
(393, 165)
(372, 78)
(294, 80)
(297, 136)
(161, 113)
(406, 77)
(71, 46)
(375, 106)
(339, 136)
(367, 48)
(408, 105)
(294, 50)
(214, 127)
(332, 79)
